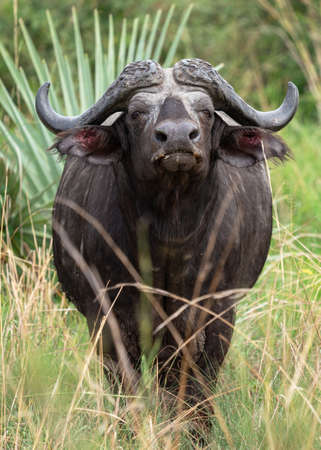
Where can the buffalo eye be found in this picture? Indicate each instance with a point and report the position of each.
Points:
(136, 115)
(206, 113)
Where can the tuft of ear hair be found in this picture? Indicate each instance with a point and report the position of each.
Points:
(98, 144)
(244, 146)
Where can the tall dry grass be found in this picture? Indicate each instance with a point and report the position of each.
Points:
(54, 393)
(299, 27)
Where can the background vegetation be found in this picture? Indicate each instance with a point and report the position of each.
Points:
(53, 392)
(276, 38)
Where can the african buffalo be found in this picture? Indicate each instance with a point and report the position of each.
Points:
(186, 156)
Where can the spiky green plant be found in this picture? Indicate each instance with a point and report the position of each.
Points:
(20, 216)
(24, 140)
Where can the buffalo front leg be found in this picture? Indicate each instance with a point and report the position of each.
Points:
(115, 335)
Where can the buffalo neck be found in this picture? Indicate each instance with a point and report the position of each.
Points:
(175, 207)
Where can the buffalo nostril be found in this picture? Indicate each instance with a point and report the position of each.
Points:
(160, 136)
(194, 134)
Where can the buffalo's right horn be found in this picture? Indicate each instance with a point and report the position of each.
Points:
(200, 73)
(135, 76)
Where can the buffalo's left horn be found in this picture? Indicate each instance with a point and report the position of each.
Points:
(200, 73)
(135, 76)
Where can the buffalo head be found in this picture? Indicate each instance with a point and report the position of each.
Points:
(172, 119)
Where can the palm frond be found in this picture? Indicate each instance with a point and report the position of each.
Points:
(81, 82)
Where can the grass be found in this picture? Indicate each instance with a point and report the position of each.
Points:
(53, 391)
(24, 139)
(297, 185)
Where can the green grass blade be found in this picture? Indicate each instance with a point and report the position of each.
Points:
(151, 40)
(111, 54)
(219, 67)
(122, 47)
(89, 82)
(13, 157)
(14, 113)
(38, 199)
(65, 82)
(132, 44)
(33, 53)
(99, 59)
(30, 175)
(52, 92)
(16, 76)
(142, 40)
(47, 136)
(32, 147)
(105, 65)
(7, 106)
(172, 50)
(40, 66)
(81, 63)
(28, 92)
(70, 81)
(23, 86)
(163, 34)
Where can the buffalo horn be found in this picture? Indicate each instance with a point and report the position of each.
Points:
(135, 76)
(201, 73)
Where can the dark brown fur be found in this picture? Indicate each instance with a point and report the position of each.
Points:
(206, 234)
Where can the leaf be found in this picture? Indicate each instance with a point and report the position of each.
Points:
(16, 76)
(67, 87)
(122, 48)
(162, 37)
(84, 92)
(132, 44)
(41, 165)
(23, 150)
(110, 69)
(151, 40)
(171, 52)
(142, 40)
(33, 53)
(99, 60)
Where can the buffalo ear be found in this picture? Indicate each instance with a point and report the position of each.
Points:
(98, 144)
(244, 146)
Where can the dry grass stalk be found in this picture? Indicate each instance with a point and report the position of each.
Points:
(294, 32)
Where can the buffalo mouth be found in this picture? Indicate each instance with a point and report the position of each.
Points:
(178, 161)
